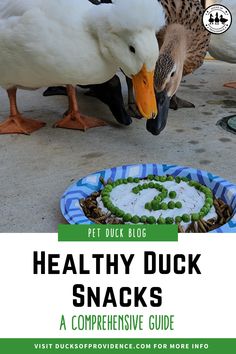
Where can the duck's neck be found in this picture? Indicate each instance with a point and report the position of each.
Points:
(97, 17)
(175, 43)
(99, 27)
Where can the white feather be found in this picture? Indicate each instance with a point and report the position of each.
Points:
(59, 42)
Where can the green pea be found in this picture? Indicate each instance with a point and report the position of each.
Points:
(161, 221)
(105, 198)
(151, 185)
(135, 219)
(157, 178)
(125, 181)
(105, 193)
(178, 180)
(169, 221)
(164, 206)
(130, 179)
(209, 201)
(155, 205)
(178, 219)
(143, 219)
(135, 190)
(106, 203)
(209, 192)
(163, 178)
(108, 188)
(178, 205)
(186, 218)
(184, 179)
(113, 210)
(172, 195)
(151, 220)
(171, 205)
(120, 213)
(158, 198)
(109, 205)
(195, 217)
(116, 211)
(145, 186)
(204, 211)
(191, 184)
(158, 187)
(170, 178)
(136, 180)
(165, 193)
(127, 217)
(150, 177)
(148, 206)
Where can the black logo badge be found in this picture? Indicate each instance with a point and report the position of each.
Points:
(217, 19)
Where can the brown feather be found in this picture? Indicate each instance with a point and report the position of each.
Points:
(189, 14)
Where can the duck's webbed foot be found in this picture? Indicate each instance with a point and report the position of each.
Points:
(133, 111)
(177, 103)
(230, 85)
(77, 121)
(20, 125)
(16, 123)
(73, 119)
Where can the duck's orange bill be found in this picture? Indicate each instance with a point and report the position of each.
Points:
(144, 92)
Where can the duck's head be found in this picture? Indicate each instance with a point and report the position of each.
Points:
(169, 67)
(168, 74)
(128, 39)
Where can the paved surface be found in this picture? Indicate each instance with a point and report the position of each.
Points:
(35, 170)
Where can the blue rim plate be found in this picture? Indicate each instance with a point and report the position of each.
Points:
(70, 201)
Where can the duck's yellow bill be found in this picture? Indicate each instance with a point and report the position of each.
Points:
(144, 93)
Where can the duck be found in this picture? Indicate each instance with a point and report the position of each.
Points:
(211, 20)
(223, 20)
(217, 20)
(223, 46)
(65, 42)
(183, 45)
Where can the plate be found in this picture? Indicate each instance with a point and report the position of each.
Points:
(70, 201)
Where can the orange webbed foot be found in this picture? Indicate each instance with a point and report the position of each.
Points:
(20, 125)
(75, 120)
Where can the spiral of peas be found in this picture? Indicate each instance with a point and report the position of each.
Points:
(158, 202)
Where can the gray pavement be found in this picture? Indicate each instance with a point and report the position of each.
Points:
(35, 170)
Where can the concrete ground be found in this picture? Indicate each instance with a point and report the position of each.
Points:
(35, 170)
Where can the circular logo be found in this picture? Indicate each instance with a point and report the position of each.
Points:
(217, 19)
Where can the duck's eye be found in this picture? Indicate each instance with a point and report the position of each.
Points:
(172, 74)
(132, 49)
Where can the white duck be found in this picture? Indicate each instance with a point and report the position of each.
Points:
(223, 46)
(66, 42)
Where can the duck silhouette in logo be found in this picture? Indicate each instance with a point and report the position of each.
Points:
(211, 20)
(223, 20)
(217, 20)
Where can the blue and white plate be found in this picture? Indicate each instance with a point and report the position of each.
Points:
(70, 201)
